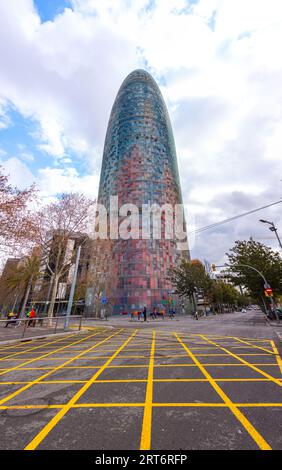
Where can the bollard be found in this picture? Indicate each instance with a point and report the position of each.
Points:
(80, 322)
(57, 319)
(25, 326)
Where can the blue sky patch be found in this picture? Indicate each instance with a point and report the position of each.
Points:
(48, 9)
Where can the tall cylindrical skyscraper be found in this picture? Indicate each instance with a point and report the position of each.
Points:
(140, 167)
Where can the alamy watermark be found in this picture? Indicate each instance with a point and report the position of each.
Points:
(145, 222)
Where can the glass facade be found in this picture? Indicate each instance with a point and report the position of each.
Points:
(140, 167)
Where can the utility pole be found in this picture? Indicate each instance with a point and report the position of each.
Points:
(272, 228)
(72, 288)
(266, 285)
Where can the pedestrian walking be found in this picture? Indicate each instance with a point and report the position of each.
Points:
(154, 314)
(171, 313)
(32, 316)
(11, 317)
(145, 313)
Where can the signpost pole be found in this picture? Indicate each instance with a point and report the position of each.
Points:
(72, 288)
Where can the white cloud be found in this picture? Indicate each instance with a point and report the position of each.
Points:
(220, 68)
(19, 173)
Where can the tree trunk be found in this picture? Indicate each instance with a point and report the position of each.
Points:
(194, 302)
(15, 302)
(25, 298)
(53, 297)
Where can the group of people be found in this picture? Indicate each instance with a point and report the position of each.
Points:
(154, 314)
(12, 318)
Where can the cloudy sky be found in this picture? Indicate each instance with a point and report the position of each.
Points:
(218, 64)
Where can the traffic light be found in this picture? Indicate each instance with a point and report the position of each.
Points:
(213, 266)
(268, 292)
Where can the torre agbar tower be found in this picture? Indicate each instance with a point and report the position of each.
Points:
(140, 167)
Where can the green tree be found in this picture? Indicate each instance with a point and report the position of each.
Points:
(261, 257)
(223, 295)
(190, 277)
(23, 278)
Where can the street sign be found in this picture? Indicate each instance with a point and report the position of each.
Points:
(104, 300)
(268, 292)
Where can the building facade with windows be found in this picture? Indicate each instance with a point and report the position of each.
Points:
(140, 167)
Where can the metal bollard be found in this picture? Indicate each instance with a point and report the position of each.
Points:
(57, 319)
(25, 327)
(80, 321)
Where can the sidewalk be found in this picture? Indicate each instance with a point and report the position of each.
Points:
(11, 333)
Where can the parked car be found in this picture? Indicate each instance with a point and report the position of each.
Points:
(272, 314)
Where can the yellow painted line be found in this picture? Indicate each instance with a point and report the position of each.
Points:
(225, 354)
(154, 405)
(34, 348)
(143, 366)
(54, 421)
(189, 365)
(106, 405)
(29, 407)
(228, 337)
(168, 380)
(258, 405)
(260, 441)
(278, 358)
(243, 361)
(253, 346)
(29, 368)
(145, 442)
(47, 354)
(17, 392)
(215, 405)
(15, 383)
(68, 357)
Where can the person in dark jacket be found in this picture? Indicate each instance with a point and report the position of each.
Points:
(11, 317)
(145, 313)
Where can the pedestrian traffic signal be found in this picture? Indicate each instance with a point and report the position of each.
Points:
(268, 292)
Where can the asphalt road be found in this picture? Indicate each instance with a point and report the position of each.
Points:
(163, 385)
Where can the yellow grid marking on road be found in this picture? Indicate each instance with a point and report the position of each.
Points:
(54, 421)
(154, 405)
(74, 381)
(145, 366)
(145, 441)
(47, 354)
(17, 392)
(227, 337)
(252, 345)
(34, 348)
(247, 363)
(260, 441)
(278, 358)
(50, 382)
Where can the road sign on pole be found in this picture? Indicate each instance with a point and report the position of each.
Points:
(268, 292)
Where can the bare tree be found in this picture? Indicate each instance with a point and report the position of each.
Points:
(58, 225)
(17, 227)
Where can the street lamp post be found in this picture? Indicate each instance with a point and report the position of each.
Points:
(273, 229)
(266, 285)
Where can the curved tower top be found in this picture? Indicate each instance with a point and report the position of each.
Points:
(139, 120)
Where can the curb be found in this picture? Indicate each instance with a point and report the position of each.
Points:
(279, 335)
(32, 338)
